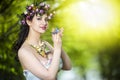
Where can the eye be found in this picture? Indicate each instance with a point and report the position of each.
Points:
(39, 18)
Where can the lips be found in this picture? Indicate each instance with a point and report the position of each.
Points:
(43, 27)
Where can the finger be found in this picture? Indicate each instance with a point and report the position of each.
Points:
(57, 36)
(61, 32)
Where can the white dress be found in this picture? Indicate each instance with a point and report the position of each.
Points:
(29, 76)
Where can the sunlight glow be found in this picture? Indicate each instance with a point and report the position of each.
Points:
(95, 14)
(92, 20)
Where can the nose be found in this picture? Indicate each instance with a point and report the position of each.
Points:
(44, 22)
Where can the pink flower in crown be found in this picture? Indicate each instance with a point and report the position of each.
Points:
(28, 17)
(41, 11)
(31, 14)
(23, 22)
(47, 6)
(37, 10)
(30, 7)
(33, 11)
(42, 4)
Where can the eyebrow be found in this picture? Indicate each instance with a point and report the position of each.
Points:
(39, 16)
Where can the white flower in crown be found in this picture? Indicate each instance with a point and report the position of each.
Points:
(32, 5)
(49, 17)
(37, 10)
(25, 12)
(47, 6)
(51, 14)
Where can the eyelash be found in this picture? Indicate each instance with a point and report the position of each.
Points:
(46, 19)
(39, 19)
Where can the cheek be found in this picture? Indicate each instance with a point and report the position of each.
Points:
(36, 24)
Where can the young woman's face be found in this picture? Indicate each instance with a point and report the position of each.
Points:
(39, 23)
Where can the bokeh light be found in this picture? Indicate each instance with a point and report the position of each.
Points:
(90, 25)
(93, 20)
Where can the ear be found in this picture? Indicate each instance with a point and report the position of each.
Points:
(28, 22)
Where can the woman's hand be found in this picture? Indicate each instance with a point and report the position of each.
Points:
(56, 37)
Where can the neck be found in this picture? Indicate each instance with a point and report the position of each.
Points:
(33, 38)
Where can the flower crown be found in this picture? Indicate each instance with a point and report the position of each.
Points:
(41, 8)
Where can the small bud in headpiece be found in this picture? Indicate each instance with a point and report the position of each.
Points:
(41, 11)
(47, 6)
(49, 17)
(25, 12)
(31, 14)
(32, 5)
(51, 14)
(29, 7)
(37, 10)
(28, 17)
(23, 22)
(33, 11)
(42, 4)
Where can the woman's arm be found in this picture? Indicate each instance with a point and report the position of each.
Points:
(65, 58)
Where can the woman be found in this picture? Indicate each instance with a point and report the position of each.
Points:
(39, 60)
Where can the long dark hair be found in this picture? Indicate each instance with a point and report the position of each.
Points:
(24, 30)
(22, 35)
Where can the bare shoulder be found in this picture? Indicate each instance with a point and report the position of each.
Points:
(25, 50)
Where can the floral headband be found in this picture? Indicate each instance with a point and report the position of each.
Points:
(41, 8)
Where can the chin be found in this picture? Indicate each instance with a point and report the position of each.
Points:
(42, 32)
